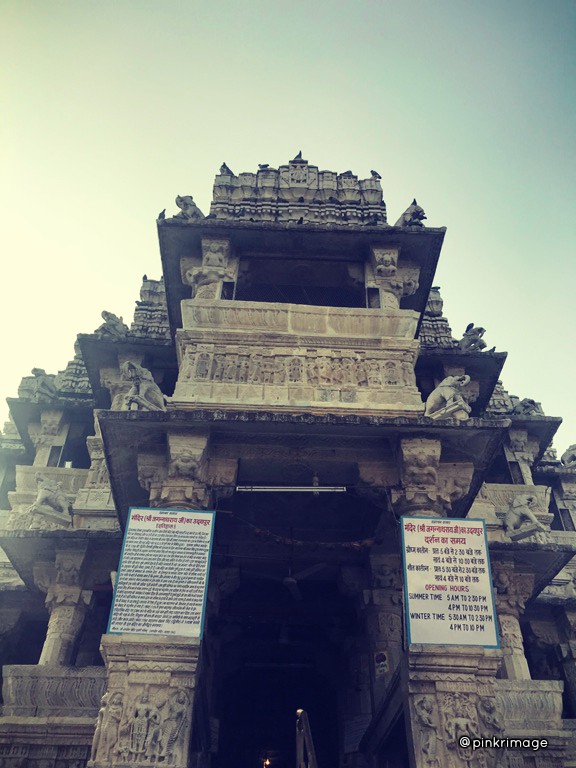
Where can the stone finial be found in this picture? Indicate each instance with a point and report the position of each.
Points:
(412, 216)
(447, 401)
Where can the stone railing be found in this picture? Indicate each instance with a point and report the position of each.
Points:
(534, 705)
(298, 319)
(37, 691)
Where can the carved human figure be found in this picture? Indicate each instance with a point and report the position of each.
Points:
(386, 262)
(50, 493)
(255, 369)
(109, 718)
(99, 722)
(374, 377)
(519, 511)
(144, 393)
(472, 340)
(113, 326)
(44, 387)
(184, 464)
(448, 393)
(177, 707)
(140, 725)
(312, 372)
(428, 731)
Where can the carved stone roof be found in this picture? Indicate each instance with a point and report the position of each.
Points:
(151, 313)
(299, 193)
(435, 330)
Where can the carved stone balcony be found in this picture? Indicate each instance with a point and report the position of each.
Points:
(41, 691)
(294, 355)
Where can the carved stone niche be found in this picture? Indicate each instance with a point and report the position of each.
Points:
(44, 497)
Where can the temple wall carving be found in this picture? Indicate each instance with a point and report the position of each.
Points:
(225, 373)
(30, 690)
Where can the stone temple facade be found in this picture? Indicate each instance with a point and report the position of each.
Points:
(296, 339)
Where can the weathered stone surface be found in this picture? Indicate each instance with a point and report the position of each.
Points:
(55, 691)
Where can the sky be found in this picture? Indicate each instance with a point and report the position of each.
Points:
(111, 108)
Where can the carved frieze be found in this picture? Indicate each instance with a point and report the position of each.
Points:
(225, 373)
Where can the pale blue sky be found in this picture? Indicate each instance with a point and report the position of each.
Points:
(113, 107)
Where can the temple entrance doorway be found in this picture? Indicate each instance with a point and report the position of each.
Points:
(281, 654)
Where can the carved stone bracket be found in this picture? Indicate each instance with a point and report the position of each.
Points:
(419, 462)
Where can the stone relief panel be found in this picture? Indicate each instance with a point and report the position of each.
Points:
(223, 373)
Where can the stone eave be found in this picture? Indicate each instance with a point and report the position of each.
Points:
(125, 432)
(543, 428)
(545, 561)
(26, 548)
(419, 245)
(24, 412)
(103, 353)
(483, 367)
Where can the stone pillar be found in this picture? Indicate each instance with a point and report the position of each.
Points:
(451, 694)
(512, 590)
(67, 603)
(146, 712)
(383, 612)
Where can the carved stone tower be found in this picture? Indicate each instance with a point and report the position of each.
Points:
(294, 372)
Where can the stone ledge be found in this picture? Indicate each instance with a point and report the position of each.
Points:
(43, 691)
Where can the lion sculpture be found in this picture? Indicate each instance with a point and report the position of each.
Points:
(412, 216)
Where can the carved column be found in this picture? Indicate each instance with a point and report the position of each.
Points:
(146, 714)
(512, 591)
(567, 655)
(67, 603)
(384, 620)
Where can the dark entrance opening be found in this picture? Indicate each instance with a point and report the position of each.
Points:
(281, 650)
(258, 716)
